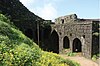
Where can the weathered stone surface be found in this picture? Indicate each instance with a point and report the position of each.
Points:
(81, 29)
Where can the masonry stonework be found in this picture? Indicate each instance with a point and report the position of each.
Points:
(78, 31)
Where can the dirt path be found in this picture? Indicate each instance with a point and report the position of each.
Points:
(83, 61)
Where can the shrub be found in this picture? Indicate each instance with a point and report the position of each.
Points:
(51, 59)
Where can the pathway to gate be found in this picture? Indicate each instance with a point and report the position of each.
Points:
(83, 61)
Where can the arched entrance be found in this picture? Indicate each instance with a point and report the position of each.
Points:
(54, 46)
(29, 33)
(77, 45)
(66, 43)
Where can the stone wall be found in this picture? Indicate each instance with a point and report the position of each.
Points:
(75, 28)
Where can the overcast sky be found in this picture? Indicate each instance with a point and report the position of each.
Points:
(51, 9)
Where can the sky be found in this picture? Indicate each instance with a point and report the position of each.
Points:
(51, 9)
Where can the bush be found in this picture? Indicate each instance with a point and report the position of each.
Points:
(20, 55)
(51, 59)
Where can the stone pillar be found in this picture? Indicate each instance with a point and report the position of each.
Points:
(83, 43)
(60, 44)
(71, 45)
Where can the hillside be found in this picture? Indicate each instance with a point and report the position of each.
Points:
(17, 49)
(22, 18)
(17, 11)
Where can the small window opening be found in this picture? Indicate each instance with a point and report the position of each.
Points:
(70, 34)
(83, 36)
(62, 21)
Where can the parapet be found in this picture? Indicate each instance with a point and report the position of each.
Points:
(66, 19)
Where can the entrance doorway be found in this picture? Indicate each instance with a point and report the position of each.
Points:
(77, 45)
(66, 43)
(54, 46)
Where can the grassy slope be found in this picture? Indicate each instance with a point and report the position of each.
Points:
(18, 50)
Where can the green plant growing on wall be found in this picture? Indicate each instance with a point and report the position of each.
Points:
(96, 34)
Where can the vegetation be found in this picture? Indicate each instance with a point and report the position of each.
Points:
(96, 34)
(18, 50)
(70, 54)
(71, 63)
(95, 57)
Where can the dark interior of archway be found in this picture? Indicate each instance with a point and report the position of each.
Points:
(95, 45)
(77, 45)
(54, 46)
(36, 36)
(66, 42)
(29, 33)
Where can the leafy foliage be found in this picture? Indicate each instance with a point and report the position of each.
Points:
(51, 59)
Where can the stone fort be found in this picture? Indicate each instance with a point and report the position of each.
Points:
(67, 32)
(80, 35)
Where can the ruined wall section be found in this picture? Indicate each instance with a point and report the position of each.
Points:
(83, 30)
(66, 19)
(72, 27)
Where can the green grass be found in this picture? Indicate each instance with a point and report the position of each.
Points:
(70, 54)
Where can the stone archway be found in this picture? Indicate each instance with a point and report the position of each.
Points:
(77, 45)
(29, 33)
(54, 40)
(66, 42)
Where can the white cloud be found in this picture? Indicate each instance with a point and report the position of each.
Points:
(47, 12)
